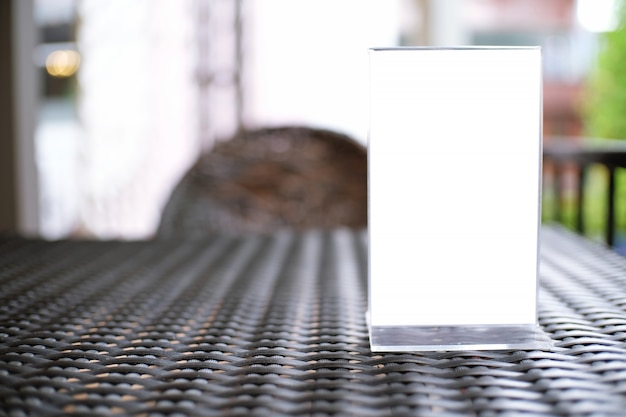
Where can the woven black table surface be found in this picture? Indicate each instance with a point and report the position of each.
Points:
(275, 326)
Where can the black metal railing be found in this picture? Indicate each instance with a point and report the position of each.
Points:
(570, 159)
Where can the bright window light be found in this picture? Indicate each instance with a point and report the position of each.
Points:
(597, 15)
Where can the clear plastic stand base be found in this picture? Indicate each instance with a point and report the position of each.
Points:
(449, 338)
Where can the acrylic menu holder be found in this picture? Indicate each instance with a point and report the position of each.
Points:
(454, 198)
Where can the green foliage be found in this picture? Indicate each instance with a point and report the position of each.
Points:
(603, 110)
(604, 104)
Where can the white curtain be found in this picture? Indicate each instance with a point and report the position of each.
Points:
(137, 109)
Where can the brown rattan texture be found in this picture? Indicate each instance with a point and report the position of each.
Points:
(269, 178)
(275, 325)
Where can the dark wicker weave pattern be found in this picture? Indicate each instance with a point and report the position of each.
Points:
(275, 326)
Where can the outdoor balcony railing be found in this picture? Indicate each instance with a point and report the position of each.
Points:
(568, 163)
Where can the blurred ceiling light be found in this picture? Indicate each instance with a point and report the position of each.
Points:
(597, 15)
(63, 63)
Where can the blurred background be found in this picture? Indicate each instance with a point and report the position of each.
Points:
(106, 104)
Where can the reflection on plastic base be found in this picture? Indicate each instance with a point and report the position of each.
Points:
(446, 338)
